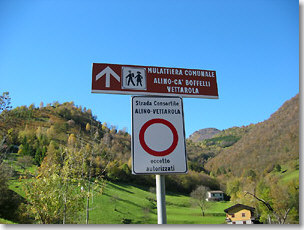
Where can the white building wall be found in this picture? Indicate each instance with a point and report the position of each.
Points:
(241, 222)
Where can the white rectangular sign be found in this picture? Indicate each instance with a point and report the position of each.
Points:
(158, 135)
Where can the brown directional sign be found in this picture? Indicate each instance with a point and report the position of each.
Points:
(152, 80)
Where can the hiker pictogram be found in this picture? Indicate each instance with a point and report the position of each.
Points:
(134, 78)
(139, 78)
(130, 78)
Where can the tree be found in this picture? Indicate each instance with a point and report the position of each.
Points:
(25, 161)
(89, 111)
(44, 197)
(280, 219)
(277, 201)
(71, 123)
(72, 139)
(5, 174)
(51, 133)
(251, 173)
(32, 106)
(88, 127)
(278, 167)
(73, 181)
(55, 195)
(104, 126)
(199, 196)
(107, 138)
(5, 101)
(233, 188)
(69, 166)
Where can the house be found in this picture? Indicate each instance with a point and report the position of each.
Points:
(240, 214)
(215, 196)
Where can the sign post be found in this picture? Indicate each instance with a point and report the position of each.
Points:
(158, 142)
(161, 199)
(158, 134)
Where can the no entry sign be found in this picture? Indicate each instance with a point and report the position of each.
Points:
(158, 136)
(152, 80)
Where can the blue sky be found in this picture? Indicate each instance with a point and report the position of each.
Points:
(47, 49)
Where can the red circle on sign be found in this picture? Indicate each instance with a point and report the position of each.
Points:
(147, 148)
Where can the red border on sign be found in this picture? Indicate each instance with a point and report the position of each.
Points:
(147, 148)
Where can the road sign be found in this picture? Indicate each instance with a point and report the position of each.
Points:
(151, 80)
(158, 135)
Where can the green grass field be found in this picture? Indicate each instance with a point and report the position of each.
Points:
(289, 176)
(123, 203)
(126, 203)
(3, 221)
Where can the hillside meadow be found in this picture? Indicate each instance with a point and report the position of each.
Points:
(122, 203)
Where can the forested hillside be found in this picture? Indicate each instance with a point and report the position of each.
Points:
(31, 131)
(61, 153)
(199, 152)
(256, 163)
(274, 141)
(67, 147)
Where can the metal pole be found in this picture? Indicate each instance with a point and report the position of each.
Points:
(161, 199)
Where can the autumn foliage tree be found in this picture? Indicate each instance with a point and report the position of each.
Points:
(199, 196)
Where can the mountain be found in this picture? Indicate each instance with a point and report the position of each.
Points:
(273, 141)
(203, 134)
(199, 152)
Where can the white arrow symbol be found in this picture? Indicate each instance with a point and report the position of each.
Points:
(108, 72)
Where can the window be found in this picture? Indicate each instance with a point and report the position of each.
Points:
(232, 215)
(243, 214)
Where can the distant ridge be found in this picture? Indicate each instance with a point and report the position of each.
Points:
(273, 141)
(203, 134)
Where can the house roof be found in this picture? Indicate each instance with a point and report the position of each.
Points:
(238, 207)
(216, 191)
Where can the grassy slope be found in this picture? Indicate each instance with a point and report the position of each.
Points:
(122, 201)
(3, 221)
(289, 175)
